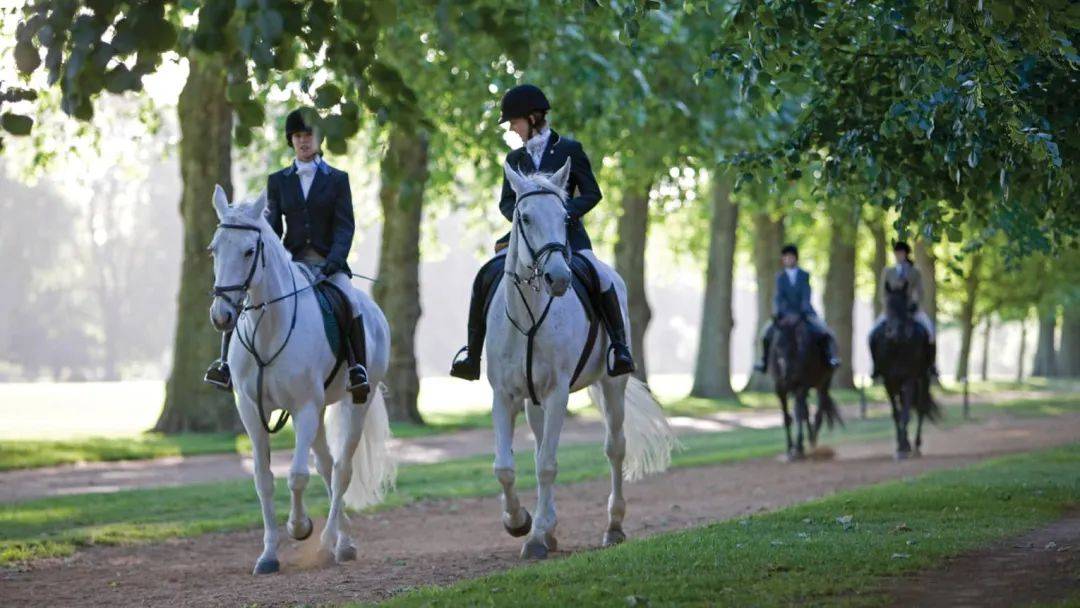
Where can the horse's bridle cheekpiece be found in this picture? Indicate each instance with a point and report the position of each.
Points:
(223, 291)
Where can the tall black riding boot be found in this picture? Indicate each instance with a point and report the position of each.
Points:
(357, 357)
(831, 359)
(467, 367)
(218, 373)
(766, 342)
(620, 360)
(933, 359)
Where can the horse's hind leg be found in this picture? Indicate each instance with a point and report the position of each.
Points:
(918, 434)
(334, 534)
(515, 518)
(306, 424)
(324, 464)
(547, 468)
(264, 485)
(614, 390)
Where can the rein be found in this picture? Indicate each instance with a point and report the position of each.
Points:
(248, 342)
(539, 258)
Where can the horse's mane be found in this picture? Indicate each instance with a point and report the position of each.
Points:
(240, 213)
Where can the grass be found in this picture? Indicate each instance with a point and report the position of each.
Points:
(840, 550)
(58, 526)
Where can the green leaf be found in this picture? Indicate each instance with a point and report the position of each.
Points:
(16, 124)
(27, 58)
(327, 96)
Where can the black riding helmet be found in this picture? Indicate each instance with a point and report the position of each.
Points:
(295, 123)
(902, 246)
(789, 248)
(522, 100)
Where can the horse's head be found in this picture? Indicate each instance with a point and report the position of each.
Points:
(539, 237)
(789, 344)
(897, 306)
(239, 255)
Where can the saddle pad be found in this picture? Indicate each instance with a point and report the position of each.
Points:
(331, 302)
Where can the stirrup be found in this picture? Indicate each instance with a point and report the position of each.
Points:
(463, 367)
(614, 366)
(359, 386)
(218, 375)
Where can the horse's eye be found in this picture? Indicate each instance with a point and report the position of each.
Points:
(249, 252)
(525, 220)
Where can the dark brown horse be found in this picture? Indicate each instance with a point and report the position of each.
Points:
(797, 363)
(902, 354)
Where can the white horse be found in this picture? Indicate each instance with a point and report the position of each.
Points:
(267, 300)
(529, 301)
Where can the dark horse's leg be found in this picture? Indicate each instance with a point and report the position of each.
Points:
(802, 416)
(782, 395)
(906, 401)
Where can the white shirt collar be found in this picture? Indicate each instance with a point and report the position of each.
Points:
(791, 273)
(538, 143)
(308, 167)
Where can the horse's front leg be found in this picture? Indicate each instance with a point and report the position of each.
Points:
(542, 538)
(904, 416)
(615, 447)
(264, 484)
(306, 424)
(918, 434)
(515, 518)
(802, 417)
(782, 395)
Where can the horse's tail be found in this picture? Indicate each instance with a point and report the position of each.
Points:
(924, 401)
(374, 468)
(649, 438)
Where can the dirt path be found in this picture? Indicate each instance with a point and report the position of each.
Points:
(443, 541)
(1040, 567)
(183, 470)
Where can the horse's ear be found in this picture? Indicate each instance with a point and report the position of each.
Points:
(517, 180)
(562, 176)
(258, 208)
(221, 201)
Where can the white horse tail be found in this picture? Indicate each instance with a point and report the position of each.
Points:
(649, 438)
(373, 465)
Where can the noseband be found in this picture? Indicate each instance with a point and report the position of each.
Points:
(223, 291)
(538, 256)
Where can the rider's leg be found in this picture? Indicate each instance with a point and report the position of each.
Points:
(873, 338)
(218, 374)
(766, 342)
(620, 361)
(356, 354)
(924, 319)
(829, 340)
(468, 367)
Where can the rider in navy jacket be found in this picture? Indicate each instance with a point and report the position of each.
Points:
(526, 106)
(310, 204)
(792, 297)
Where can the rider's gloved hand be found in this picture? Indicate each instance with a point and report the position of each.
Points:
(912, 307)
(331, 267)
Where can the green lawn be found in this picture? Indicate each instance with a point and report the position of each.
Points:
(443, 414)
(839, 550)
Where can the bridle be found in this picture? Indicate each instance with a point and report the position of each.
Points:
(223, 291)
(538, 259)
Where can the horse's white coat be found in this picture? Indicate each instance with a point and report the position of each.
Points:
(351, 448)
(630, 412)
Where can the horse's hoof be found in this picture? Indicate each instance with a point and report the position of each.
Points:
(521, 530)
(794, 456)
(902, 454)
(917, 453)
(550, 542)
(534, 550)
(345, 553)
(267, 566)
(614, 537)
(301, 532)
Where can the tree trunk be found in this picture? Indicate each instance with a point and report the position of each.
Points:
(840, 293)
(768, 240)
(927, 265)
(633, 230)
(1069, 359)
(1045, 365)
(712, 373)
(984, 374)
(1023, 351)
(404, 172)
(881, 257)
(205, 119)
(967, 316)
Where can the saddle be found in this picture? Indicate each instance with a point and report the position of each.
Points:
(336, 317)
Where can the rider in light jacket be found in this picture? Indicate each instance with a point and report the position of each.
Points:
(525, 107)
(905, 275)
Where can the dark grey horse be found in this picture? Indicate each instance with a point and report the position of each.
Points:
(902, 354)
(797, 363)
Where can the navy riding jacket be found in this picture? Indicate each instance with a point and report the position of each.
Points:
(793, 299)
(324, 221)
(583, 190)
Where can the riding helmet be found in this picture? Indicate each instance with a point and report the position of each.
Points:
(902, 246)
(521, 100)
(792, 249)
(295, 123)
